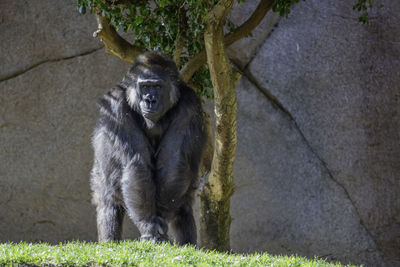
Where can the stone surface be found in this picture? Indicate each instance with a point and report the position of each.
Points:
(47, 116)
(37, 31)
(285, 199)
(340, 81)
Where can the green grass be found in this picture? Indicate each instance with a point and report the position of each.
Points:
(137, 254)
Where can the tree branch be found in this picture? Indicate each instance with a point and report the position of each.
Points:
(193, 65)
(200, 58)
(243, 30)
(180, 43)
(114, 43)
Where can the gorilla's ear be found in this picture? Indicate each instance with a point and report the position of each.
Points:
(174, 92)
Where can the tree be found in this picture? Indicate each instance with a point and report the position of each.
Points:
(192, 32)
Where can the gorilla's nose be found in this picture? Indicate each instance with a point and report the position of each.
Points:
(150, 99)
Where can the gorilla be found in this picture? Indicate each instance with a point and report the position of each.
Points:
(148, 143)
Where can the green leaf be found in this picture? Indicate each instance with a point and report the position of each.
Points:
(138, 20)
(371, 3)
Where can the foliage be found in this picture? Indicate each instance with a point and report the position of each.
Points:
(363, 6)
(156, 25)
(283, 6)
(128, 253)
(159, 24)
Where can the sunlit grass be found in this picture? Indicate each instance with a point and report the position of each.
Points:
(138, 254)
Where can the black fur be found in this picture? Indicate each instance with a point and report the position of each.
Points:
(146, 164)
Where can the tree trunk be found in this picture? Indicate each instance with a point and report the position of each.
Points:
(215, 219)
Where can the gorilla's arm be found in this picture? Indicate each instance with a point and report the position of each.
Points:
(105, 173)
(177, 167)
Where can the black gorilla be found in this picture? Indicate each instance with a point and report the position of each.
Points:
(148, 144)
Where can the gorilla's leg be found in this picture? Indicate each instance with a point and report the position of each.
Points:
(184, 226)
(110, 211)
(109, 221)
(138, 190)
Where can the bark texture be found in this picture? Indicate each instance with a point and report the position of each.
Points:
(215, 219)
(114, 43)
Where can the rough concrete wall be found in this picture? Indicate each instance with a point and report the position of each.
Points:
(319, 160)
(51, 73)
(317, 166)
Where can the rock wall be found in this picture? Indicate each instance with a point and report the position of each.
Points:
(52, 72)
(318, 162)
(337, 82)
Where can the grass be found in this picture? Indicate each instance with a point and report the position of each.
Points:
(137, 254)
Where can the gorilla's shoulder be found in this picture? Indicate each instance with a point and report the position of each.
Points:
(112, 102)
(116, 93)
(189, 96)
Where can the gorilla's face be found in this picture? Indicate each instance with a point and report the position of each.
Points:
(152, 94)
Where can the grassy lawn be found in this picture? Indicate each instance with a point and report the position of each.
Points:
(137, 254)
